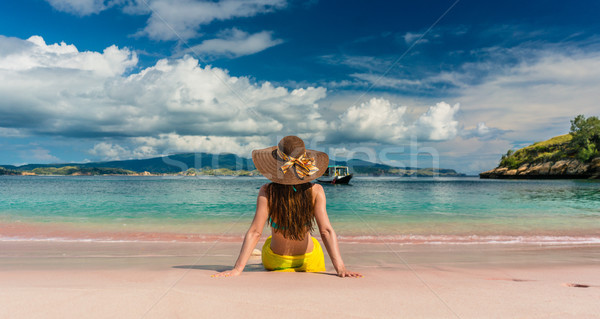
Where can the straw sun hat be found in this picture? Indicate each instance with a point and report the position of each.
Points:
(290, 163)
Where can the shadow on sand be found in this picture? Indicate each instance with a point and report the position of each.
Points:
(251, 267)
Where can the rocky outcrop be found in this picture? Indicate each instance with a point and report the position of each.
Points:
(594, 167)
(565, 168)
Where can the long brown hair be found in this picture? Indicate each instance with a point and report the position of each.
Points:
(291, 209)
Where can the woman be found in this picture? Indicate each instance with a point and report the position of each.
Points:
(290, 204)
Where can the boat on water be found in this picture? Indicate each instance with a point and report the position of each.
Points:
(335, 174)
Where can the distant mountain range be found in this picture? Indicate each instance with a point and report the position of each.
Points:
(179, 163)
(165, 164)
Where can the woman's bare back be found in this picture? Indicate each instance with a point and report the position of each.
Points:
(283, 246)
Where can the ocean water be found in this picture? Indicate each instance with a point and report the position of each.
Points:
(405, 210)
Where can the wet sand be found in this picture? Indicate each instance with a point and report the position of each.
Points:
(62, 279)
(223, 232)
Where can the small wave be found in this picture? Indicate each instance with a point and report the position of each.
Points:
(67, 240)
(472, 239)
(395, 239)
(147, 239)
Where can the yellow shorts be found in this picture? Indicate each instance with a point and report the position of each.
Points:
(313, 261)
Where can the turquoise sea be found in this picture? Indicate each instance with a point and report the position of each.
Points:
(405, 210)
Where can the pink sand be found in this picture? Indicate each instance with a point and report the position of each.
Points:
(78, 232)
(170, 280)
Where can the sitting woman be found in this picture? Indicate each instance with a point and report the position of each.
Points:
(291, 204)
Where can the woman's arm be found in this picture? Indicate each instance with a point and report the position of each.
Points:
(252, 235)
(328, 234)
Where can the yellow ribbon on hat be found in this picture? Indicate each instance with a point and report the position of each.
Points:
(305, 166)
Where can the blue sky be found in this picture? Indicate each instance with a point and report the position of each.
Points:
(415, 83)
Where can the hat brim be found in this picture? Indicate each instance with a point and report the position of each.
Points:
(268, 163)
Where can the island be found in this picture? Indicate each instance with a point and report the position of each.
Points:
(575, 155)
(205, 164)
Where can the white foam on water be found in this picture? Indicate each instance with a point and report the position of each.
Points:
(400, 239)
(67, 240)
(473, 239)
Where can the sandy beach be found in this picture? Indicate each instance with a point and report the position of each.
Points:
(448, 152)
(50, 279)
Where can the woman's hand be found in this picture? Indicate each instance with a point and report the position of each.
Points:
(228, 273)
(347, 273)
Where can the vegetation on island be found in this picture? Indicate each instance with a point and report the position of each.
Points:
(76, 170)
(582, 143)
(219, 171)
(423, 172)
(586, 137)
(4, 171)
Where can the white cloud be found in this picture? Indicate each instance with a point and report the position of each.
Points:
(381, 121)
(234, 43)
(482, 129)
(527, 101)
(80, 7)
(11, 132)
(175, 19)
(410, 37)
(369, 63)
(522, 93)
(57, 90)
(376, 120)
(34, 53)
(534, 99)
(178, 106)
(109, 151)
(438, 123)
(175, 143)
(38, 154)
(434, 34)
(483, 132)
(389, 82)
(172, 143)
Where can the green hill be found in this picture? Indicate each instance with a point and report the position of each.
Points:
(166, 164)
(4, 171)
(76, 170)
(553, 149)
(573, 155)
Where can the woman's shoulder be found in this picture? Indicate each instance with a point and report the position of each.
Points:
(317, 189)
(263, 189)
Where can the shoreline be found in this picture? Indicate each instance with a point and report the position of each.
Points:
(364, 254)
(434, 240)
(15, 231)
(564, 168)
